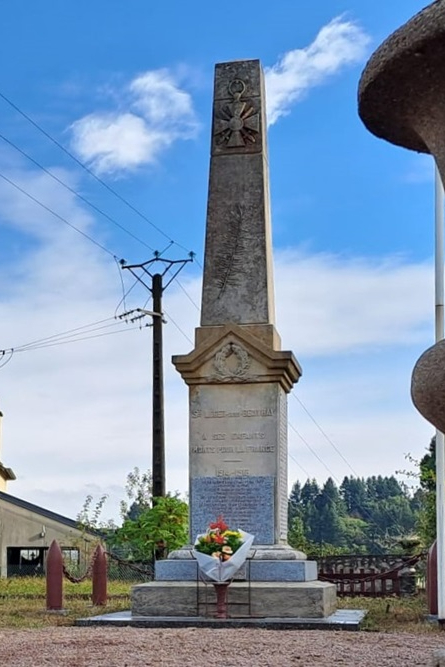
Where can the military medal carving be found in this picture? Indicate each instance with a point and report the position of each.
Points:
(237, 123)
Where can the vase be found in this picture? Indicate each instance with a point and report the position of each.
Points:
(221, 600)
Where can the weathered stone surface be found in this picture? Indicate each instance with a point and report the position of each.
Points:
(402, 99)
(428, 385)
(234, 355)
(314, 599)
(238, 284)
(283, 570)
(237, 374)
(276, 552)
(258, 552)
(402, 89)
(256, 569)
(238, 433)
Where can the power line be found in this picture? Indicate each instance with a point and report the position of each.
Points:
(314, 453)
(325, 435)
(50, 210)
(84, 199)
(77, 340)
(188, 295)
(299, 465)
(77, 194)
(170, 319)
(63, 339)
(63, 334)
(75, 335)
(364, 511)
(90, 172)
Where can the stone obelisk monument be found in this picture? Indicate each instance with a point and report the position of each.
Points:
(238, 377)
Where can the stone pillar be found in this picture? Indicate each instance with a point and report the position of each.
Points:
(237, 375)
(238, 283)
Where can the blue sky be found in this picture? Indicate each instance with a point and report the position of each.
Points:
(128, 91)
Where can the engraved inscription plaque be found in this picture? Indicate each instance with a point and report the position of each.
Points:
(238, 446)
(242, 502)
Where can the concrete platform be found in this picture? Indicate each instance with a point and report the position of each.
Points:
(264, 599)
(342, 619)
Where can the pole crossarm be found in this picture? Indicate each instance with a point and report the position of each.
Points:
(145, 267)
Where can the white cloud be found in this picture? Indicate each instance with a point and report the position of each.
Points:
(160, 100)
(154, 113)
(338, 44)
(328, 304)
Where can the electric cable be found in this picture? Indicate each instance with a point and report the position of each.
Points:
(298, 464)
(76, 340)
(60, 217)
(364, 511)
(324, 434)
(314, 452)
(73, 335)
(170, 319)
(77, 194)
(188, 295)
(89, 171)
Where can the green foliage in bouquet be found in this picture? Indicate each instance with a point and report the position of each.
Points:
(219, 541)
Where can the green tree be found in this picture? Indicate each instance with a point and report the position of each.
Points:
(371, 515)
(149, 526)
(427, 497)
(354, 493)
(139, 490)
(156, 530)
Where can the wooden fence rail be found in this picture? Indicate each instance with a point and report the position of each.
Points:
(371, 576)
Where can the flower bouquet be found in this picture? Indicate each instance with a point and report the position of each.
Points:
(221, 552)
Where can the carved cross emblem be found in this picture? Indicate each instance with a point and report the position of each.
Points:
(237, 123)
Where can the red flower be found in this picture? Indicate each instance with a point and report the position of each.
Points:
(219, 524)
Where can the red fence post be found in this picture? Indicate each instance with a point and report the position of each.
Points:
(99, 596)
(431, 579)
(54, 577)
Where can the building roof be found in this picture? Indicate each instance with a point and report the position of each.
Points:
(7, 473)
(6, 497)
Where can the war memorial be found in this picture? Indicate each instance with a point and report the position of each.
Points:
(238, 379)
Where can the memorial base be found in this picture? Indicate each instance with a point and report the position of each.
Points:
(315, 599)
(270, 562)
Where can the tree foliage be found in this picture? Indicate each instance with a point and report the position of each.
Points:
(150, 527)
(156, 530)
(361, 516)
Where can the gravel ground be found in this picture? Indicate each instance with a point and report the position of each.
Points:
(136, 647)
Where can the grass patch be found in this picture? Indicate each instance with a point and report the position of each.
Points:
(22, 605)
(391, 614)
(23, 602)
(33, 587)
(21, 613)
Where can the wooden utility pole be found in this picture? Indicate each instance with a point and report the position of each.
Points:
(157, 288)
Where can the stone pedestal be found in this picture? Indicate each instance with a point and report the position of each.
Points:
(316, 599)
(238, 432)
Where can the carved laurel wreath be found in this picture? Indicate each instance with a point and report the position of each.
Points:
(220, 361)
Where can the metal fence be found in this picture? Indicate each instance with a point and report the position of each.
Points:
(372, 576)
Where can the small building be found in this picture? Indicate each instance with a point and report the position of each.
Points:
(27, 530)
